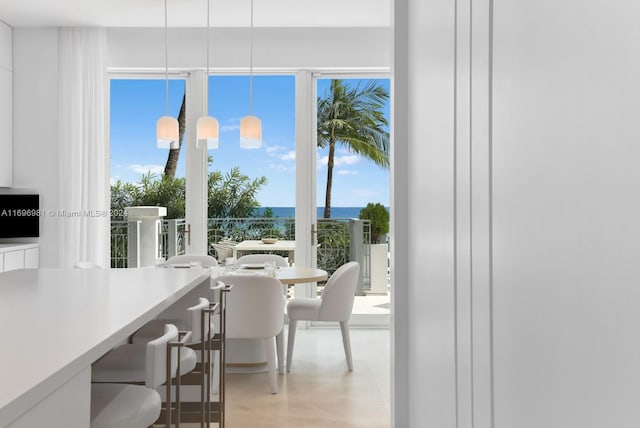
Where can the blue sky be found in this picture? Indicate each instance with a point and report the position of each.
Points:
(137, 104)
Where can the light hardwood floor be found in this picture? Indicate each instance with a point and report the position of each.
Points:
(319, 391)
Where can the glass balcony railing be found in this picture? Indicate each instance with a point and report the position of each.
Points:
(339, 240)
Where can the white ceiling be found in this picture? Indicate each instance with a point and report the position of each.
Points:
(192, 13)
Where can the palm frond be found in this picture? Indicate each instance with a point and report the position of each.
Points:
(353, 116)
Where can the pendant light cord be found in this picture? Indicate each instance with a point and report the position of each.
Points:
(251, 64)
(206, 76)
(166, 58)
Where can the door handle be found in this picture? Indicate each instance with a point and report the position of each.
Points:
(314, 234)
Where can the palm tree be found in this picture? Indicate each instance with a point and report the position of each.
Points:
(353, 116)
(172, 158)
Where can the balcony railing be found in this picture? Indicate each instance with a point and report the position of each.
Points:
(339, 240)
(172, 238)
(119, 243)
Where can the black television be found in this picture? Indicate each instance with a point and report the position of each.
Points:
(19, 216)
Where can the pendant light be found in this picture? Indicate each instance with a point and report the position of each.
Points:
(250, 126)
(167, 130)
(208, 129)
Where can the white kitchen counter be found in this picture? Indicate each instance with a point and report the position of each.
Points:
(54, 323)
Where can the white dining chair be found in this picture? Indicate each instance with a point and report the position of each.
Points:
(261, 258)
(115, 405)
(224, 249)
(255, 310)
(204, 261)
(335, 304)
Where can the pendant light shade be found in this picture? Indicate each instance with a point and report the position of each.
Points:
(167, 129)
(209, 132)
(167, 132)
(250, 132)
(250, 126)
(208, 129)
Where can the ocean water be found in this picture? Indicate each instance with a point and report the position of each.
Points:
(336, 212)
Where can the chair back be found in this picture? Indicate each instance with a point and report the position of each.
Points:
(205, 261)
(254, 306)
(339, 292)
(223, 250)
(261, 258)
(194, 315)
(156, 357)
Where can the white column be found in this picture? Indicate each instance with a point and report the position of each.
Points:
(378, 262)
(196, 167)
(424, 281)
(305, 176)
(150, 222)
(305, 170)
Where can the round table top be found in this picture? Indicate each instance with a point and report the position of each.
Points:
(300, 275)
(286, 275)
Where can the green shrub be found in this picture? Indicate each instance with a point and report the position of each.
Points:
(379, 217)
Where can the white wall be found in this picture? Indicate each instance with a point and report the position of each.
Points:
(295, 48)
(35, 124)
(6, 47)
(566, 215)
(6, 105)
(36, 82)
(517, 286)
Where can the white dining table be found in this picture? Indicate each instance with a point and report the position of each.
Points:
(247, 355)
(287, 275)
(258, 245)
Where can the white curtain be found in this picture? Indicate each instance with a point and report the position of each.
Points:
(84, 150)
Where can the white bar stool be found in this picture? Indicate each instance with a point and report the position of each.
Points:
(136, 406)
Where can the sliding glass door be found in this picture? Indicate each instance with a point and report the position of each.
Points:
(352, 182)
(251, 192)
(141, 174)
(322, 186)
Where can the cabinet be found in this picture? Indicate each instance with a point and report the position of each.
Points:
(6, 106)
(19, 256)
(31, 258)
(13, 260)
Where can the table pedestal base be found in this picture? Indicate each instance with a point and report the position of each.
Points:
(245, 356)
